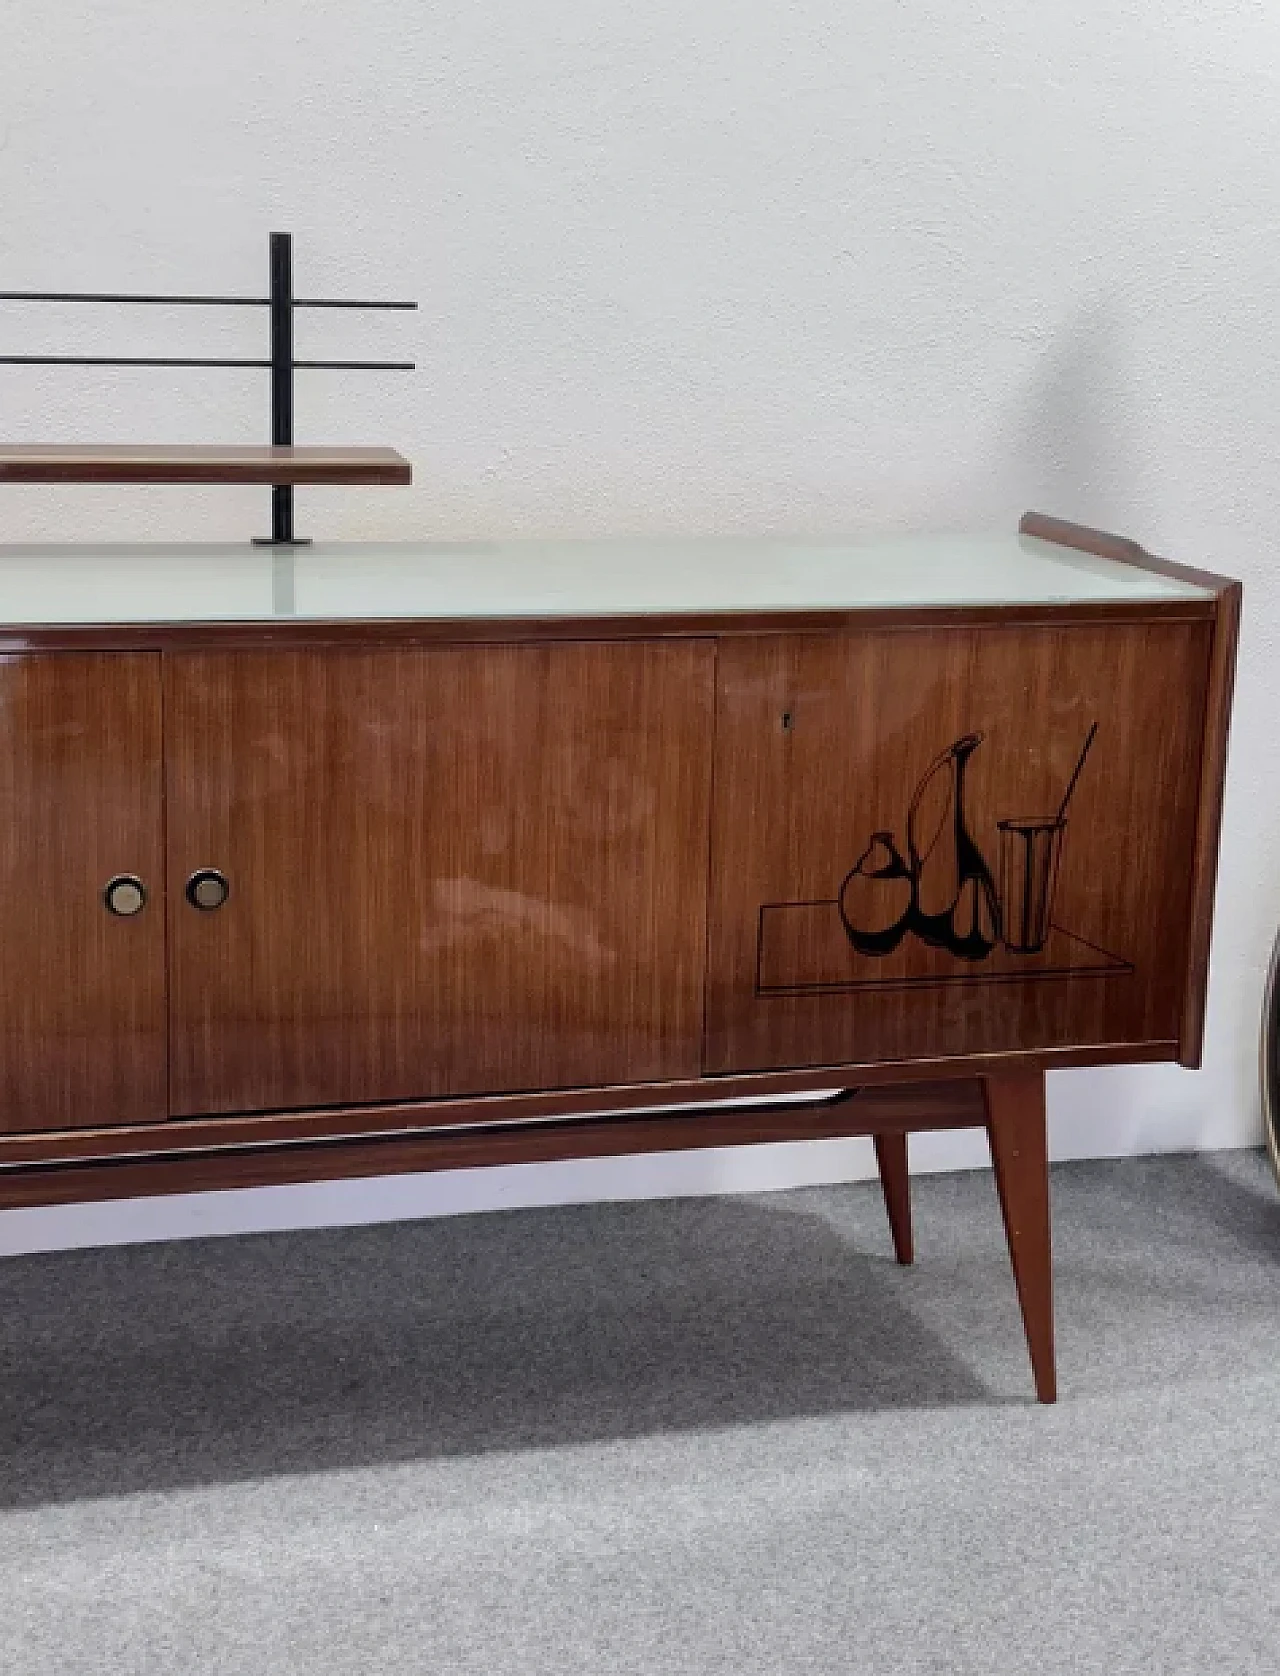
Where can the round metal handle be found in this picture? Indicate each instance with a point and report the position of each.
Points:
(207, 889)
(125, 895)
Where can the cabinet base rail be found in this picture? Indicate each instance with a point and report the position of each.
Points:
(1009, 1105)
(414, 1146)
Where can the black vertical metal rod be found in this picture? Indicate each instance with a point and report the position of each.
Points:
(281, 303)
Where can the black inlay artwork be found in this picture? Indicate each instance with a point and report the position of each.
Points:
(946, 891)
(933, 886)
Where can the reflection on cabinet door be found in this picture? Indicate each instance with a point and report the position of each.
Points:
(82, 1029)
(952, 842)
(443, 870)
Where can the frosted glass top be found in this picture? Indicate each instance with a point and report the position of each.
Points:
(633, 577)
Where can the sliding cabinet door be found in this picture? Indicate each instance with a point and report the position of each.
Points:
(946, 842)
(82, 1015)
(453, 870)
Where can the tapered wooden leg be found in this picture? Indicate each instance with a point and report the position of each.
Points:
(1019, 1151)
(895, 1182)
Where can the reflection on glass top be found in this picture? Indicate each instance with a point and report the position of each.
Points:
(589, 578)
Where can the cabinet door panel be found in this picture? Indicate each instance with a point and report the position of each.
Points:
(894, 875)
(451, 870)
(83, 1019)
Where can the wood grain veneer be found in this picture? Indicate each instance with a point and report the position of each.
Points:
(464, 869)
(82, 1029)
(57, 463)
(821, 744)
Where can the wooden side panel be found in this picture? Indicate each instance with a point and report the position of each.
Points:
(894, 875)
(452, 870)
(1213, 774)
(82, 1029)
(1222, 669)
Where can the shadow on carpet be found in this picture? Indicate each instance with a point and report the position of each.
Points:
(151, 1367)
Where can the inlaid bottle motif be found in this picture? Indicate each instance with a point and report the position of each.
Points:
(956, 906)
(876, 897)
(943, 890)
(958, 893)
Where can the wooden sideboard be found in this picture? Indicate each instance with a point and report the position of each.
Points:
(350, 860)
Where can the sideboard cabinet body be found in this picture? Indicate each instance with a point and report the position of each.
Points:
(512, 834)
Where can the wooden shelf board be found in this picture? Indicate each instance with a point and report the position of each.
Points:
(57, 463)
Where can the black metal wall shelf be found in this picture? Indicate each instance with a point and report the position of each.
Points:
(281, 465)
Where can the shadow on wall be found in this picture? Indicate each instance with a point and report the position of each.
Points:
(1071, 433)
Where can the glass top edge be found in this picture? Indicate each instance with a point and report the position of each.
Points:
(582, 577)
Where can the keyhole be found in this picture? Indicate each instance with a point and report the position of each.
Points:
(788, 721)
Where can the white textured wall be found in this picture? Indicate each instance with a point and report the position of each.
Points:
(736, 265)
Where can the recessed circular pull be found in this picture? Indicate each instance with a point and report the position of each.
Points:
(125, 895)
(207, 889)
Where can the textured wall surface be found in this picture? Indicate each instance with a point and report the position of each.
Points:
(733, 266)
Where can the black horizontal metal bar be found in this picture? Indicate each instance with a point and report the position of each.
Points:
(357, 366)
(346, 302)
(128, 297)
(195, 361)
(190, 302)
(125, 361)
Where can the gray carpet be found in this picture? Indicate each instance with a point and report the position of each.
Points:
(718, 1436)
